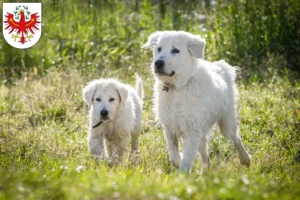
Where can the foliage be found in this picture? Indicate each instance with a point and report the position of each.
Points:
(87, 35)
(250, 32)
(95, 35)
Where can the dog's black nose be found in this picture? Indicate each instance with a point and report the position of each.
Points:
(104, 113)
(159, 64)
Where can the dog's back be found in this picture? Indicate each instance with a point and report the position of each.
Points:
(228, 73)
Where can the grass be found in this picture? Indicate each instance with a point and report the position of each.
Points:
(44, 122)
(44, 150)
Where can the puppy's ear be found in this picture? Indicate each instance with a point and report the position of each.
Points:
(152, 39)
(123, 94)
(196, 46)
(88, 93)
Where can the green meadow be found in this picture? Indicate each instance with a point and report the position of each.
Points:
(44, 122)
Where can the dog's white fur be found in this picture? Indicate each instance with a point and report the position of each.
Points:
(200, 94)
(124, 106)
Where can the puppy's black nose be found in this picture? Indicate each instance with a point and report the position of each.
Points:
(104, 113)
(159, 64)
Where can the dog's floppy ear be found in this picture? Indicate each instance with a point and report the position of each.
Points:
(123, 94)
(152, 39)
(196, 46)
(88, 93)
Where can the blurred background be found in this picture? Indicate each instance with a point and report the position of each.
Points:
(97, 36)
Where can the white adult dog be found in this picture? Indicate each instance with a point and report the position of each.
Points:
(115, 117)
(191, 94)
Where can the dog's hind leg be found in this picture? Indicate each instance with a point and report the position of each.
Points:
(229, 128)
(133, 156)
(244, 157)
(135, 141)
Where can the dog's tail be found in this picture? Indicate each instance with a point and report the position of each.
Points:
(139, 86)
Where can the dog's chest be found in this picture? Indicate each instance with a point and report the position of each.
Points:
(111, 131)
(177, 106)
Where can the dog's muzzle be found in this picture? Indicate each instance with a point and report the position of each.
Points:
(159, 68)
(159, 65)
(163, 73)
(104, 113)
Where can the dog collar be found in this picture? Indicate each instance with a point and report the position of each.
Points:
(166, 87)
(98, 124)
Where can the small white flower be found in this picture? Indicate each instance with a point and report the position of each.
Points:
(79, 168)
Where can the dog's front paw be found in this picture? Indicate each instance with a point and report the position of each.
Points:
(245, 159)
(111, 163)
(176, 161)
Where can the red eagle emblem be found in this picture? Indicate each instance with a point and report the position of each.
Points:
(23, 26)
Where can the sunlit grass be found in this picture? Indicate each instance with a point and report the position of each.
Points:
(44, 150)
(44, 122)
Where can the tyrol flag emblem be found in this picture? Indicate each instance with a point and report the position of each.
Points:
(22, 26)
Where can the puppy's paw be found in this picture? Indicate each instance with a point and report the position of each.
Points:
(112, 161)
(176, 161)
(245, 159)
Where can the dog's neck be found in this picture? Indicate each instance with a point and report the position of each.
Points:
(177, 83)
(167, 86)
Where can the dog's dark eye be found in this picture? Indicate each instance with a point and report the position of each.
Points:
(111, 99)
(175, 51)
(98, 99)
(159, 49)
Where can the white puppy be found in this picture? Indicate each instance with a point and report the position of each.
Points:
(115, 117)
(191, 94)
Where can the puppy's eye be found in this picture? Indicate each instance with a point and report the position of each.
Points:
(98, 99)
(159, 49)
(111, 99)
(175, 50)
